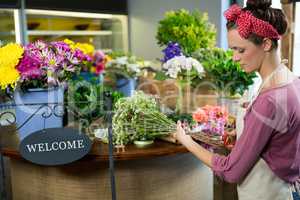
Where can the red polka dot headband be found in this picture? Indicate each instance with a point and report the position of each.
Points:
(247, 23)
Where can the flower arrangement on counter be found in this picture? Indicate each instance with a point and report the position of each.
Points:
(211, 119)
(212, 124)
(40, 64)
(138, 118)
(178, 66)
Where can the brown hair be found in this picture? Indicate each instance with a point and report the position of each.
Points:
(262, 9)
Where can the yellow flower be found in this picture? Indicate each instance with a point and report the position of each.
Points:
(85, 48)
(93, 69)
(8, 77)
(10, 56)
(107, 58)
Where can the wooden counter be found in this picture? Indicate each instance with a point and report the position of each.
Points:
(160, 171)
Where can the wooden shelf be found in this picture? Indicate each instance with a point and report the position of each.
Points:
(71, 32)
(65, 32)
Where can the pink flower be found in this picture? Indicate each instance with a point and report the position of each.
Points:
(100, 68)
(30, 67)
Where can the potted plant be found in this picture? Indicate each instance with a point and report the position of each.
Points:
(190, 30)
(227, 77)
(183, 69)
(125, 68)
(38, 74)
(86, 101)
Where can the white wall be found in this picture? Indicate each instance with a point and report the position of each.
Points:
(144, 15)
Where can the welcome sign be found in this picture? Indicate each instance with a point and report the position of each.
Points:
(55, 146)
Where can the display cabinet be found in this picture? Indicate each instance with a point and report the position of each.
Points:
(104, 31)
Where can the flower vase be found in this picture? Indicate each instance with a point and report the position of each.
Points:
(126, 86)
(38, 109)
(231, 103)
(183, 100)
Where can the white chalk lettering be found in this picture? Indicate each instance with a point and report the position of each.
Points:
(60, 145)
(71, 145)
(31, 147)
(55, 146)
(41, 147)
(80, 144)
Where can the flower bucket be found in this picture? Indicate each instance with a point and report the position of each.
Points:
(126, 86)
(90, 77)
(46, 110)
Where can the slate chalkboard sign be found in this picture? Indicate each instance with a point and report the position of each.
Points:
(55, 146)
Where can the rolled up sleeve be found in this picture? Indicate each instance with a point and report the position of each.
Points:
(259, 126)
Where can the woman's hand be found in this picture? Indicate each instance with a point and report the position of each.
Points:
(180, 135)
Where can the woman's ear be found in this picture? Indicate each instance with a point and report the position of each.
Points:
(267, 44)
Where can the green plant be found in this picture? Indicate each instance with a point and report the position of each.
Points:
(86, 99)
(226, 75)
(191, 30)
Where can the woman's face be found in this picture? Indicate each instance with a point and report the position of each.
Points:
(249, 55)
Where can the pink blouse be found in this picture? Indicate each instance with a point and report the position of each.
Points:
(272, 132)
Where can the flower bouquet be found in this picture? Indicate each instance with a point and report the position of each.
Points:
(38, 73)
(138, 118)
(212, 126)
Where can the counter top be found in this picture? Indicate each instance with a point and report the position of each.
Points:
(9, 142)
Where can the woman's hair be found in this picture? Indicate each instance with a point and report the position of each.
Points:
(262, 9)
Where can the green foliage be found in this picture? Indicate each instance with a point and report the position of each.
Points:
(86, 99)
(182, 117)
(228, 77)
(191, 30)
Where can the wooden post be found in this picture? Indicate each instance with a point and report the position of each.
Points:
(287, 42)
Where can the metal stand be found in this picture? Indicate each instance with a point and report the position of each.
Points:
(108, 101)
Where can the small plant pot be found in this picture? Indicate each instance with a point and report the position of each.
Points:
(143, 143)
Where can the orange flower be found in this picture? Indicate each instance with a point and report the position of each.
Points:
(200, 116)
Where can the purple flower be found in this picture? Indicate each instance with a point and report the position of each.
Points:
(36, 46)
(173, 49)
(61, 46)
(29, 67)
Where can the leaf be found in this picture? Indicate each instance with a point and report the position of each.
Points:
(161, 76)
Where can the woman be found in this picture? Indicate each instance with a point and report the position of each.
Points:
(265, 162)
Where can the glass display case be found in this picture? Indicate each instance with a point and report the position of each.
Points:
(7, 27)
(104, 31)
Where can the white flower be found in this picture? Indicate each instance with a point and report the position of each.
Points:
(181, 63)
(134, 68)
(122, 60)
(197, 65)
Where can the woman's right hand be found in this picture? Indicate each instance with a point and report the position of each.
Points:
(180, 134)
